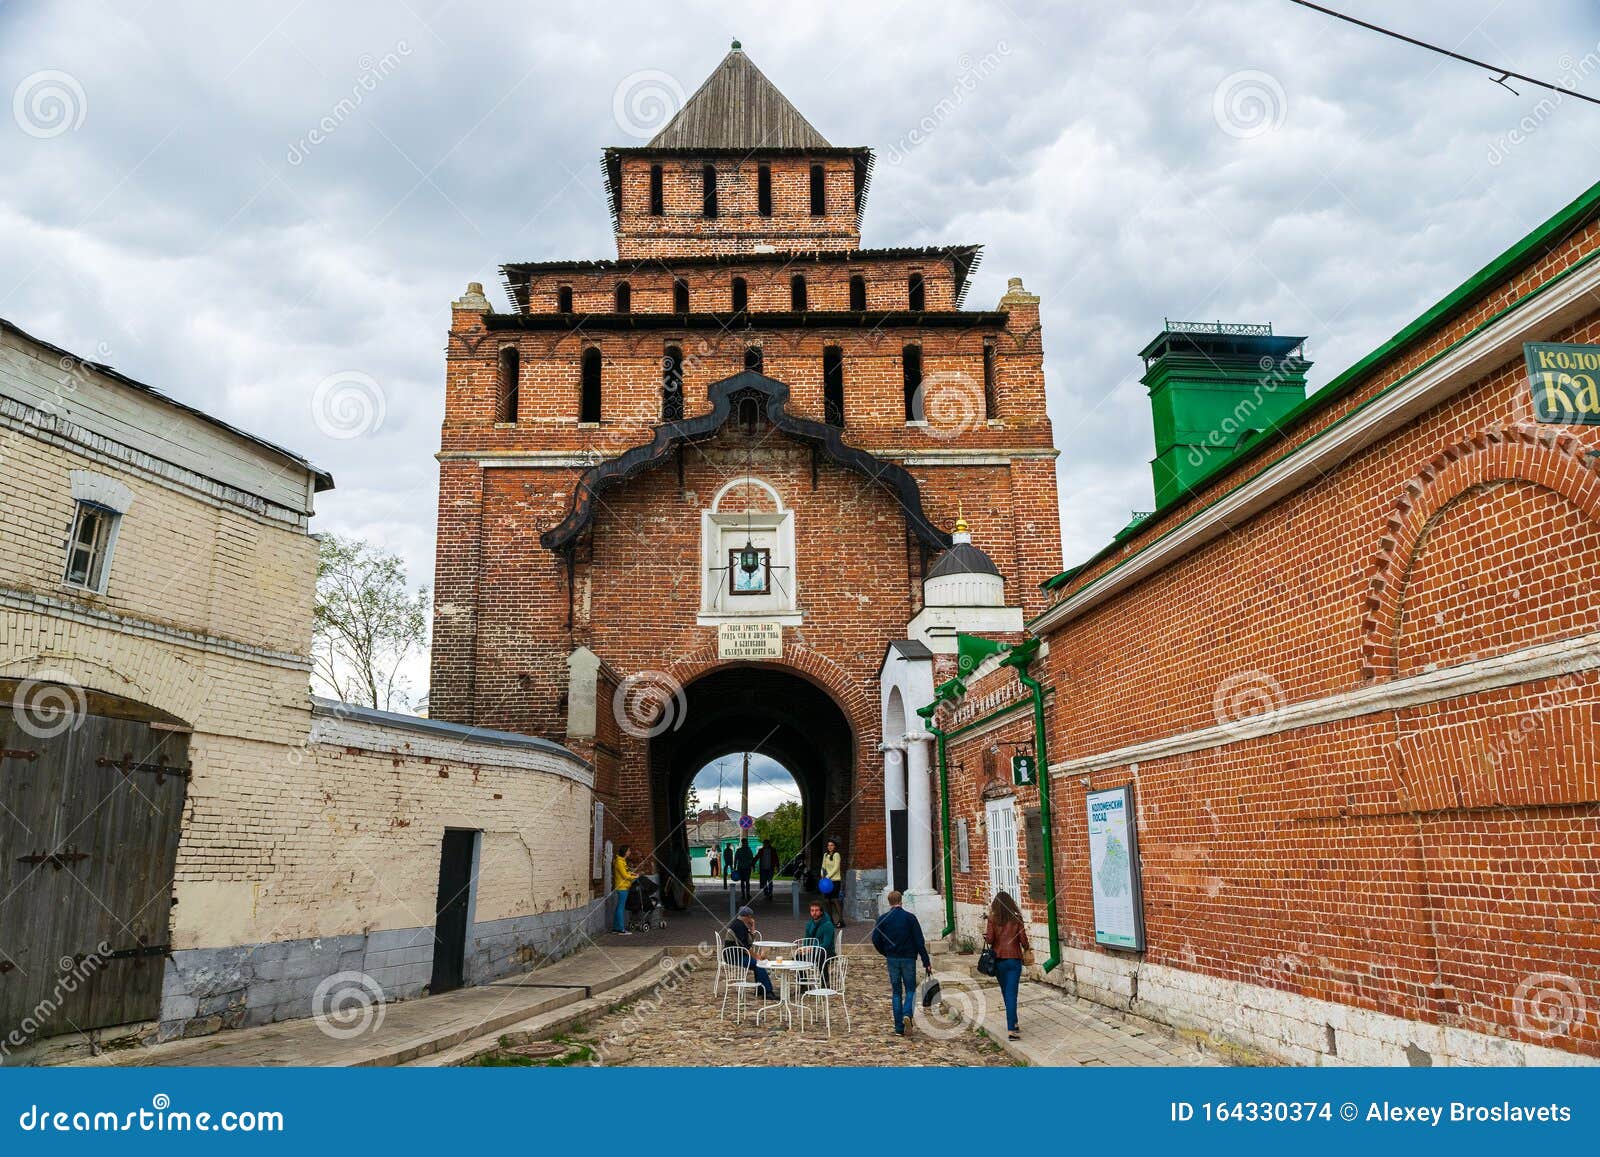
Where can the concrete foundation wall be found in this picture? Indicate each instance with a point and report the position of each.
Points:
(1270, 1025)
(209, 989)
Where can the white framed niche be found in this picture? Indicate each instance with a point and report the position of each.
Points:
(748, 507)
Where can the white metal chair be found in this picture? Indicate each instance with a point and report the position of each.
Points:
(816, 956)
(824, 995)
(839, 971)
(723, 969)
(736, 961)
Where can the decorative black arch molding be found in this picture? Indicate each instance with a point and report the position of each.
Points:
(725, 397)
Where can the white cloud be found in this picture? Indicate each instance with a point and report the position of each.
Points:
(171, 226)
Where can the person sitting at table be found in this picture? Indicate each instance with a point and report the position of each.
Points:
(820, 929)
(742, 932)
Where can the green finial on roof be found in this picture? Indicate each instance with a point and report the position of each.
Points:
(737, 47)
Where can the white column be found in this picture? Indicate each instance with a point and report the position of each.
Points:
(919, 815)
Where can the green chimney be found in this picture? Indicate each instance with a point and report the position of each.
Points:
(1212, 386)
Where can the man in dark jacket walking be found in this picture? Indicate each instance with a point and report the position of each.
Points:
(898, 938)
(767, 865)
(743, 861)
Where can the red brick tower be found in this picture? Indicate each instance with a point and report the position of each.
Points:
(688, 497)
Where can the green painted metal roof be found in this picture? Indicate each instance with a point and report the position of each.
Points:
(1554, 230)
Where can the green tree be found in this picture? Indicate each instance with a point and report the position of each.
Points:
(782, 828)
(367, 622)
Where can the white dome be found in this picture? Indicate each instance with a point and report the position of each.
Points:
(963, 576)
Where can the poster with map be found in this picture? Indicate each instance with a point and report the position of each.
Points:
(1114, 870)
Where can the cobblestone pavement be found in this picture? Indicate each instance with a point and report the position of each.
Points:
(678, 1023)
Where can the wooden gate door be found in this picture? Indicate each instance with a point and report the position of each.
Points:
(89, 827)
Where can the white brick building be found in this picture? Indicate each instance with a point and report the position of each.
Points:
(201, 841)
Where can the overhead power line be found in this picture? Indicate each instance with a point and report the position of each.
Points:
(1502, 74)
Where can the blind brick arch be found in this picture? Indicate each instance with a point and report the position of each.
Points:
(1544, 474)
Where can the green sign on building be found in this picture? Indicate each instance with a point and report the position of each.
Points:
(1024, 773)
(1565, 382)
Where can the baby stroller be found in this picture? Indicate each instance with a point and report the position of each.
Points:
(644, 909)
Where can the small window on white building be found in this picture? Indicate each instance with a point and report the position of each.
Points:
(94, 531)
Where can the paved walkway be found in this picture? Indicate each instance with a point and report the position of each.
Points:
(1061, 1031)
(397, 1033)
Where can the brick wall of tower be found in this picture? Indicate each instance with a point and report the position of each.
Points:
(683, 228)
(551, 371)
(1426, 860)
(767, 283)
(635, 585)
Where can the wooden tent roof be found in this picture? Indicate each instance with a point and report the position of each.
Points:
(738, 108)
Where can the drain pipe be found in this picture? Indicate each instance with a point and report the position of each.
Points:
(939, 737)
(1020, 658)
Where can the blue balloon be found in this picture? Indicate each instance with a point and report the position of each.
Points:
(825, 886)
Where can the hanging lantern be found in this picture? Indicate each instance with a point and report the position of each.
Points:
(749, 558)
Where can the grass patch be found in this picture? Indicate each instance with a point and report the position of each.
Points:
(560, 1051)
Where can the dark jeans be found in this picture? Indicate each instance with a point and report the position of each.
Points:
(1009, 974)
(764, 979)
(766, 885)
(902, 988)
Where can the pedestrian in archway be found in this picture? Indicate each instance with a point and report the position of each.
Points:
(716, 864)
(743, 862)
(1006, 934)
(728, 868)
(622, 878)
(767, 865)
(833, 872)
(898, 938)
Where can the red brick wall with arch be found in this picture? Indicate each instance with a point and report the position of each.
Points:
(1431, 859)
(1494, 545)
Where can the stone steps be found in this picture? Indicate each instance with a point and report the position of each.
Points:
(547, 1024)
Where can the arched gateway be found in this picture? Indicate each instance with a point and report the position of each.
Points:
(720, 519)
(771, 710)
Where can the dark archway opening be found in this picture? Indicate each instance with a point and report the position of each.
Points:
(770, 711)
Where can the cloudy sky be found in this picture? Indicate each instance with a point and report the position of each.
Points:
(167, 206)
(770, 784)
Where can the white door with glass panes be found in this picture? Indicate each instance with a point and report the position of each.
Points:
(1002, 828)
